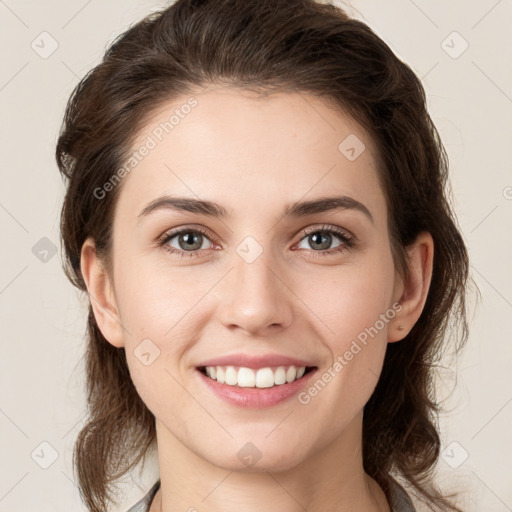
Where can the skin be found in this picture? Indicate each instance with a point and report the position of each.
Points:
(253, 156)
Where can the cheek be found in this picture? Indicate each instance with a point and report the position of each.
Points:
(160, 334)
(354, 310)
(158, 301)
(163, 312)
(351, 299)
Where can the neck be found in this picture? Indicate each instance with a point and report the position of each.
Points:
(331, 479)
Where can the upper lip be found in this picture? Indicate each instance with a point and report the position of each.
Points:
(254, 362)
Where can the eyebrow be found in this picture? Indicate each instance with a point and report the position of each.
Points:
(295, 210)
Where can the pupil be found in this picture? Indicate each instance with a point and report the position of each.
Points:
(192, 241)
(325, 237)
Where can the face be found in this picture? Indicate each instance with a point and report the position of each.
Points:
(265, 278)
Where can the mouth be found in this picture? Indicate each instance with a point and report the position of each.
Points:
(259, 388)
(262, 378)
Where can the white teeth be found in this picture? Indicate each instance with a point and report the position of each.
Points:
(249, 378)
(231, 376)
(264, 377)
(291, 374)
(279, 376)
(246, 378)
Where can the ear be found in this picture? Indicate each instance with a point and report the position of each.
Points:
(411, 292)
(101, 294)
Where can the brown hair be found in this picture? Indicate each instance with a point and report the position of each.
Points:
(266, 46)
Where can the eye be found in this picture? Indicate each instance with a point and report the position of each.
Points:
(321, 238)
(186, 242)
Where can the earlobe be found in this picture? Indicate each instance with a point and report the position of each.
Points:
(101, 294)
(414, 289)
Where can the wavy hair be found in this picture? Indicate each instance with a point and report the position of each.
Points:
(267, 46)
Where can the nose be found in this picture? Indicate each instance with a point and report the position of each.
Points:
(256, 298)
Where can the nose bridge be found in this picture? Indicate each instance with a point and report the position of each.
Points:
(255, 296)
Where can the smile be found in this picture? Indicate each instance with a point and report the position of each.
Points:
(255, 378)
(256, 388)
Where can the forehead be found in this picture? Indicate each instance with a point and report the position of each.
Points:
(247, 152)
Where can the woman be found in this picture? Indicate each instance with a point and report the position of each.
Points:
(217, 144)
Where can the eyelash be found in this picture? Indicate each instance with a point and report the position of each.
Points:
(346, 239)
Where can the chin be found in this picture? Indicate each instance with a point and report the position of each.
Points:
(249, 459)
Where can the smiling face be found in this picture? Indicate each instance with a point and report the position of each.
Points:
(255, 273)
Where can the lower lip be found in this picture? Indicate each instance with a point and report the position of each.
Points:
(256, 397)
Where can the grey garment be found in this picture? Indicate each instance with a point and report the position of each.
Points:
(400, 501)
(144, 504)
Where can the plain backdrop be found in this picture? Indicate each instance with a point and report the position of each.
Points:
(462, 50)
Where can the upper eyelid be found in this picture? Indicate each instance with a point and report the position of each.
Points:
(325, 227)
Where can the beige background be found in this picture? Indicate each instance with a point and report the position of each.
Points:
(42, 318)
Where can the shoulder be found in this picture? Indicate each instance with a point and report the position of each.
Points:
(400, 500)
(144, 504)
